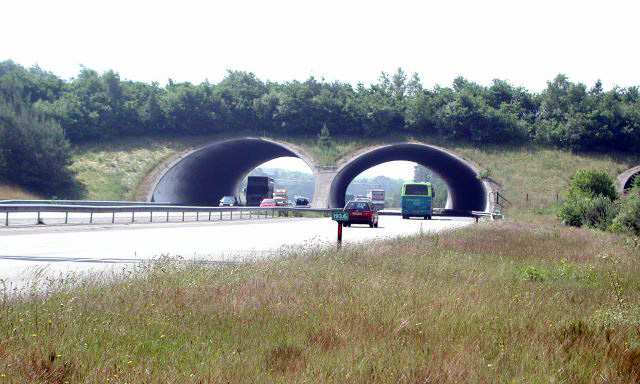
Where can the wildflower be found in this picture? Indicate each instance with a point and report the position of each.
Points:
(162, 336)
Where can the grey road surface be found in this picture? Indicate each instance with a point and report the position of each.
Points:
(59, 249)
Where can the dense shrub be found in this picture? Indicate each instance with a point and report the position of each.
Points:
(592, 183)
(629, 216)
(591, 201)
(586, 211)
(34, 152)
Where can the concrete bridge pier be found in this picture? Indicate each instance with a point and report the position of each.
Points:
(324, 176)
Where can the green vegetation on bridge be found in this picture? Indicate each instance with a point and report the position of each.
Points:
(40, 113)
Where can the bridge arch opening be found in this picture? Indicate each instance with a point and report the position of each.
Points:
(629, 183)
(390, 176)
(203, 176)
(466, 191)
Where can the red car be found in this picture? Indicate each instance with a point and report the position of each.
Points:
(361, 212)
(268, 203)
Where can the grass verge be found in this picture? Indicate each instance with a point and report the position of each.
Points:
(490, 303)
(9, 192)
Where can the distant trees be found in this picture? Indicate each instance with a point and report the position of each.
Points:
(569, 115)
(96, 106)
(34, 152)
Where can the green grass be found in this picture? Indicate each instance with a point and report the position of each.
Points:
(491, 303)
(113, 170)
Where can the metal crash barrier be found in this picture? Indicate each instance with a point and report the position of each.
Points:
(93, 212)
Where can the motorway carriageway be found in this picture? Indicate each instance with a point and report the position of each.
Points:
(58, 250)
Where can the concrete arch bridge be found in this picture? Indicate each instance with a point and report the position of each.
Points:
(203, 175)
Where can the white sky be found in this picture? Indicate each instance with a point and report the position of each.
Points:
(393, 169)
(525, 42)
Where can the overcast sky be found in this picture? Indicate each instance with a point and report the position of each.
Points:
(524, 42)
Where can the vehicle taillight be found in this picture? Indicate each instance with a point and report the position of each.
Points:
(366, 213)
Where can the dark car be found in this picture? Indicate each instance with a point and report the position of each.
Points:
(361, 212)
(228, 201)
(302, 201)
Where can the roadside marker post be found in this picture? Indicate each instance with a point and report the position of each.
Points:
(340, 217)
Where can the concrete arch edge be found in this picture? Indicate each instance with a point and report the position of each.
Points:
(625, 177)
(490, 186)
(151, 181)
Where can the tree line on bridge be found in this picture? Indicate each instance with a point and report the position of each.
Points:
(40, 114)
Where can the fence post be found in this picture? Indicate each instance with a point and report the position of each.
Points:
(527, 197)
(557, 197)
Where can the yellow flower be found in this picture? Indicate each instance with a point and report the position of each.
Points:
(162, 336)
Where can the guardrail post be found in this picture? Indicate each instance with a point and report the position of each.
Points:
(249, 214)
(113, 217)
(198, 216)
(209, 215)
(167, 216)
(231, 214)
(133, 217)
(38, 222)
(151, 216)
(66, 217)
(183, 216)
(220, 215)
(6, 219)
(90, 218)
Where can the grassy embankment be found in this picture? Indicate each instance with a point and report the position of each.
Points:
(491, 303)
(8, 192)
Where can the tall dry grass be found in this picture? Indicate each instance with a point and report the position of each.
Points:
(491, 303)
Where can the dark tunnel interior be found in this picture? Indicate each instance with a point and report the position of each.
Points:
(466, 190)
(216, 170)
